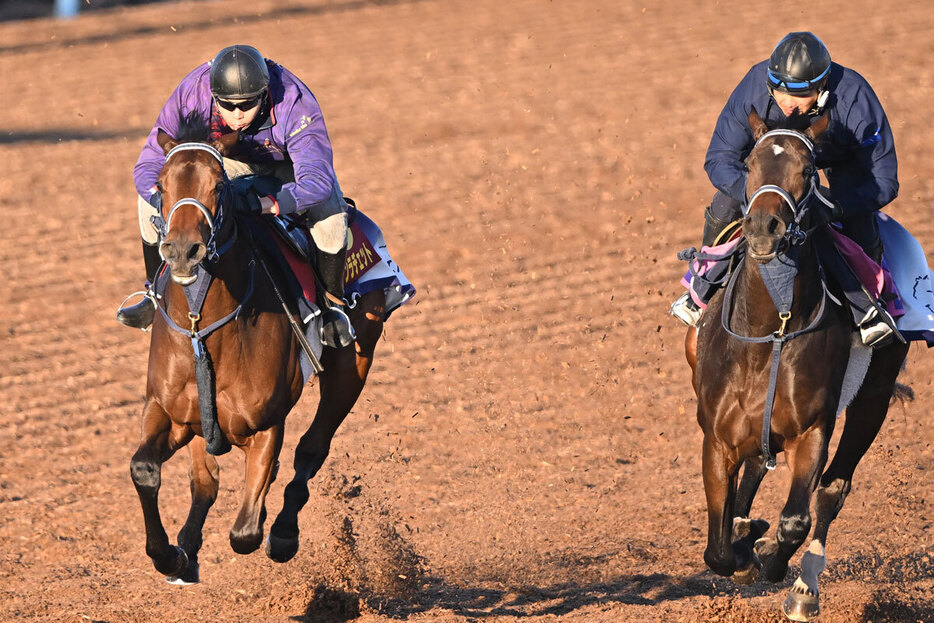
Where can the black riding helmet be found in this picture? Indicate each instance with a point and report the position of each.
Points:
(238, 72)
(799, 64)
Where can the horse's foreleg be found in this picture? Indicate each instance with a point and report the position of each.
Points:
(720, 489)
(345, 373)
(160, 440)
(864, 418)
(262, 453)
(203, 473)
(690, 348)
(754, 470)
(806, 455)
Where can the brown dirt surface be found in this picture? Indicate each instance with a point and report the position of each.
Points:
(526, 448)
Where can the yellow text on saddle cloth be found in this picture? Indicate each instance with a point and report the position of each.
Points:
(361, 256)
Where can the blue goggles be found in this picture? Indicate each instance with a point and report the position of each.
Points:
(794, 86)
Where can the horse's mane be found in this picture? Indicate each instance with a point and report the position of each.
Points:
(192, 128)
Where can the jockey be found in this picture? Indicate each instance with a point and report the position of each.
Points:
(282, 134)
(857, 154)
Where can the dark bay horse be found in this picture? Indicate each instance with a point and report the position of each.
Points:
(256, 367)
(739, 380)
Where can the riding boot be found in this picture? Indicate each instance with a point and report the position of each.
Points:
(876, 326)
(336, 330)
(684, 308)
(140, 316)
(713, 227)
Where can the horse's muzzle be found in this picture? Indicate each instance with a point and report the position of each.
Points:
(182, 257)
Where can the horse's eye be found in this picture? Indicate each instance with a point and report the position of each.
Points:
(219, 187)
(808, 172)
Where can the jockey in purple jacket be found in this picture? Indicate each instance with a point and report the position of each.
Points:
(282, 134)
(856, 153)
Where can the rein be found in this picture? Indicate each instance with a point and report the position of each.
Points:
(794, 236)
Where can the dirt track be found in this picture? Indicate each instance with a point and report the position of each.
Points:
(526, 447)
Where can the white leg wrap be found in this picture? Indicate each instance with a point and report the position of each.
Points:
(812, 564)
(330, 234)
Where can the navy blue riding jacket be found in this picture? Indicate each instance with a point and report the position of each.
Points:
(857, 152)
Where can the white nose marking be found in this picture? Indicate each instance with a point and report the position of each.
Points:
(777, 149)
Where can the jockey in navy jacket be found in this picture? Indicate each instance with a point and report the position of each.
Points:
(857, 152)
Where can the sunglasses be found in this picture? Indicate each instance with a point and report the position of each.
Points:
(244, 106)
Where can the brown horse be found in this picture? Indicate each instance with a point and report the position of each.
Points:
(256, 368)
(751, 363)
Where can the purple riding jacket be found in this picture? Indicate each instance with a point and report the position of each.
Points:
(293, 131)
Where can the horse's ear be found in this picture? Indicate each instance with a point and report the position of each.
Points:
(165, 141)
(757, 124)
(226, 142)
(818, 127)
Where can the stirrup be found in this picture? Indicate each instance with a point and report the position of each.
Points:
(875, 330)
(685, 310)
(140, 318)
(336, 329)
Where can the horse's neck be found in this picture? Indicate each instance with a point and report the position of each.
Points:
(754, 305)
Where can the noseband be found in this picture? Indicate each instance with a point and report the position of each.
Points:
(163, 225)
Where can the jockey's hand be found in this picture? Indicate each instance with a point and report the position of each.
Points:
(250, 203)
(155, 200)
(830, 210)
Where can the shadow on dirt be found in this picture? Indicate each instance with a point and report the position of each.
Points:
(253, 19)
(12, 137)
(899, 611)
(337, 606)
(429, 592)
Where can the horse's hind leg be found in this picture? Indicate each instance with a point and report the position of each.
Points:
(160, 441)
(262, 455)
(864, 419)
(203, 473)
(345, 373)
(806, 455)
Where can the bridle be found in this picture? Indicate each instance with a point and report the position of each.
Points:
(794, 234)
(215, 222)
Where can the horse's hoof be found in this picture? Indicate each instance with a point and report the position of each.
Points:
(801, 605)
(766, 547)
(189, 575)
(753, 528)
(748, 574)
(172, 566)
(281, 549)
(246, 545)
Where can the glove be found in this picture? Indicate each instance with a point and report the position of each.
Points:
(830, 211)
(155, 200)
(249, 203)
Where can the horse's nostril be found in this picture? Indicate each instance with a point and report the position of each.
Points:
(196, 252)
(774, 224)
